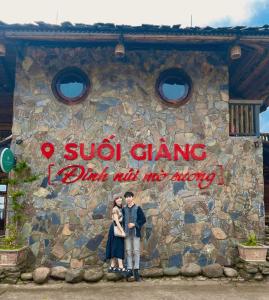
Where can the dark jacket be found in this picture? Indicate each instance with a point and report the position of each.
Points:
(140, 220)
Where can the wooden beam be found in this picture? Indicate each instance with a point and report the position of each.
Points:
(242, 101)
(254, 38)
(84, 36)
(245, 73)
(239, 70)
(5, 126)
(260, 68)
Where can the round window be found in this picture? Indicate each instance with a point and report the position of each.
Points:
(71, 85)
(174, 87)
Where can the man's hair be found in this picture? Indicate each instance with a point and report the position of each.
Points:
(128, 194)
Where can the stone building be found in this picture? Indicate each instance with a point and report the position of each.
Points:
(186, 101)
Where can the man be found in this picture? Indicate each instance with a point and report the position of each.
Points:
(133, 220)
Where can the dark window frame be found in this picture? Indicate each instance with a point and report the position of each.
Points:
(170, 73)
(55, 85)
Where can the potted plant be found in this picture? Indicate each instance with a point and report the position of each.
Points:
(12, 248)
(252, 250)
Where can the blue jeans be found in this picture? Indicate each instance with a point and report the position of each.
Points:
(132, 247)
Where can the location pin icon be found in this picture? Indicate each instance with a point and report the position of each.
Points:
(47, 149)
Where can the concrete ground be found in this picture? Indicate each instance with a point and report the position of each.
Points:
(154, 289)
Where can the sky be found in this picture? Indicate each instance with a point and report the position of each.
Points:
(215, 13)
(136, 12)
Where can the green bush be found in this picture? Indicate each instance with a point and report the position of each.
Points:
(22, 174)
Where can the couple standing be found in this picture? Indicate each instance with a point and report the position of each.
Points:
(124, 236)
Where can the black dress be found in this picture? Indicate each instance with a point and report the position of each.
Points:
(115, 244)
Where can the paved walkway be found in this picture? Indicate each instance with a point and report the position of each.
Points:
(183, 290)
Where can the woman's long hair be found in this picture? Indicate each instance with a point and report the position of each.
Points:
(114, 202)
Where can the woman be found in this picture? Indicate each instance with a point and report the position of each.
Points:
(115, 244)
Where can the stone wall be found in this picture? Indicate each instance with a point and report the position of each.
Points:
(68, 224)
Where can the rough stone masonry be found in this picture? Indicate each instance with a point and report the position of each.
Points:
(68, 224)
